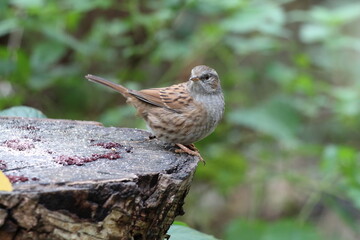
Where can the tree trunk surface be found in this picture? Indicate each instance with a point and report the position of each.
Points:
(81, 180)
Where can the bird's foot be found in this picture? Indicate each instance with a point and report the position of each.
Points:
(189, 149)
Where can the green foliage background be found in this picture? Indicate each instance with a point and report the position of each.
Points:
(283, 164)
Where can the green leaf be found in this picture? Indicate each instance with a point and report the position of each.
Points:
(20, 75)
(6, 66)
(28, 3)
(7, 26)
(310, 33)
(224, 174)
(277, 117)
(22, 111)
(178, 232)
(60, 35)
(329, 162)
(347, 103)
(354, 195)
(281, 73)
(343, 161)
(85, 5)
(171, 50)
(336, 16)
(266, 18)
(180, 223)
(46, 54)
(261, 230)
(250, 45)
(121, 116)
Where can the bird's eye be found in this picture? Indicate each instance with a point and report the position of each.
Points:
(206, 76)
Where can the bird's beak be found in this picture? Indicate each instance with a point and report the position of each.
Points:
(194, 79)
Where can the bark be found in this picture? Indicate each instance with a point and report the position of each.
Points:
(80, 180)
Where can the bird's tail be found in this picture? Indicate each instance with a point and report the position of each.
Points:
(121, 89)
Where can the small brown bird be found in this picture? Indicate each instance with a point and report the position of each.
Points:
(180, 114)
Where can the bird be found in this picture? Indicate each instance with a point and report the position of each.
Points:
(181, 114)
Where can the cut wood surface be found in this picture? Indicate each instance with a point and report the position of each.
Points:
(81, 180)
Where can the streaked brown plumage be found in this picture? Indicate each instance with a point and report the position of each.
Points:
(183, 113)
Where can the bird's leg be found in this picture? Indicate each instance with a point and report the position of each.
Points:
(189, 149)
(192, 147)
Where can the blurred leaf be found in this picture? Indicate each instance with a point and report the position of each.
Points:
(7, 26)
(281, 73)
(21, 73)
(303, 83)
(155, 20)
(213, 7)
(347, 104)
(277, 117)
(329, 160)
(22, 111)
(7, 66)
(227, 168)
(117, 27)
(43, 79)
(346, 159)
(310, 33)
(85, 5)
(343, 161)
(354, 195)
(46, 54)
(254, 44)
(121, 116)
(178, 232)
(345, 212)
(171, 50)
(62, 37)
(336, 16)
(27, 3)
(266, 18)
(279, 230)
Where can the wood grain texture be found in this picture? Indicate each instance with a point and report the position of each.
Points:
(80, 180)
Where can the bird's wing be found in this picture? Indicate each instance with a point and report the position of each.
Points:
(173, 98)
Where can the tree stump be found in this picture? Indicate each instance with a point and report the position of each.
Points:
(80, 180)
